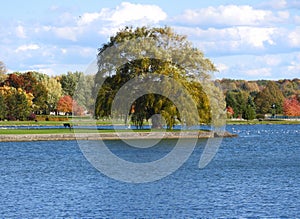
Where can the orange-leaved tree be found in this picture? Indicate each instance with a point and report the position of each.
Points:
(291, 107)
(64, 104)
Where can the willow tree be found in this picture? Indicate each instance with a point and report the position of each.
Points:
(156, 70)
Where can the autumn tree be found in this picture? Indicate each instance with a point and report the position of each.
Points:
(270, 96)
(54, 92)
(230, 112)
(17, 103)
(65, 104)
(291, 107)
(29, 83)
(156, 54)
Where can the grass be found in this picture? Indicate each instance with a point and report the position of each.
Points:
(69, 131)
(89, 122)
(58, 123)
(34, 131)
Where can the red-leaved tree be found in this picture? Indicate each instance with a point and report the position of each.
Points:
(291, 107)
(229, 111)
(66, 104)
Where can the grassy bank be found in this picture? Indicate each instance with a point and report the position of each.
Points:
(67, 130)
(70, 131)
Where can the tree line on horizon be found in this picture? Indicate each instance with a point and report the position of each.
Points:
(25, 95)
(256, 98)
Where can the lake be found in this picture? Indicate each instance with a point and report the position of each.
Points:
(254, 175)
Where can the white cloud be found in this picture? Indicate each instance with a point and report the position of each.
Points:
(27, 47)
(256, 37)
(125, 13)
(105, 22)
(88, 18)
(270, 60)
(294, 67)
(294, 38)
(231, 40)
(259, 72)
(68, 33)
(257, 43)
(20, 31)
(56, 69)
(222, 67)
(231, 15)
(128, 12)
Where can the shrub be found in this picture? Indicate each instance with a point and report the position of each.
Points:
(31, 117)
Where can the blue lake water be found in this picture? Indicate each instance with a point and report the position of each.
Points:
(254, 175)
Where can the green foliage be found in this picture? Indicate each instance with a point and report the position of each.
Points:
(54, 92)
(69, 83)
(83, 92)
(2, 107)
(17, 105)
(249, 113)
(29, 83)
(242, 104)
(167, 54)
(236, 101)
(269, 96)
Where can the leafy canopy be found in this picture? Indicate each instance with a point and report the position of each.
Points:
(157, 60)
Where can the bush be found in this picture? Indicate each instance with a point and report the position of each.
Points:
(11, 118)
(31, 117)
(51, 118)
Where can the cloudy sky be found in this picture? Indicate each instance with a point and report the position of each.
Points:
(245, 39)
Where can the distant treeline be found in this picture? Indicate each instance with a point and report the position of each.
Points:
(254, 99)
(25, 95)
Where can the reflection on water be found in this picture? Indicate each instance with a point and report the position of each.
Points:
(254, 175)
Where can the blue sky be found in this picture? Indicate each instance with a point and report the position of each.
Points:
(246, 40)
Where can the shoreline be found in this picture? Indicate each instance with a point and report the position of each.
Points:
(111, 136)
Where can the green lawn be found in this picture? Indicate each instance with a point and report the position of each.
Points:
(34, 131)
(67, 130)
(87, 122)
(53, 123)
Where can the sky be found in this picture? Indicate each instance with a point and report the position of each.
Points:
(248, 40)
